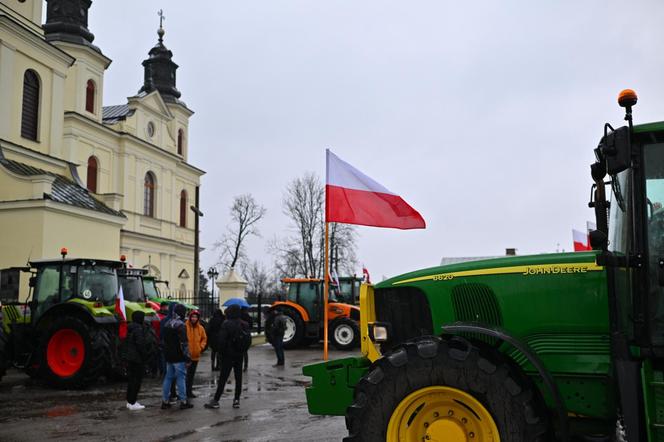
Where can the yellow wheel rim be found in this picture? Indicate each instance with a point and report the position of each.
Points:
(441, 414)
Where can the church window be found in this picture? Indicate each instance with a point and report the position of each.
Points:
(92, 174)
(90, 97)
(30, 110)
(183, 208)
(148, 195)
(180, 142)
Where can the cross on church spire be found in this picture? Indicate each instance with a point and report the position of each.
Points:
(161, 31)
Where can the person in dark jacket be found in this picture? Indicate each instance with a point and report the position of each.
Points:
(231, 359)
(176, 352)
(277, 336)
(169, 307)
(246, 317)
(136, 358)
(213, 328)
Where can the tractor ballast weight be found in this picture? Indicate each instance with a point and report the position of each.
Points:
(566, 346)
(303, 309)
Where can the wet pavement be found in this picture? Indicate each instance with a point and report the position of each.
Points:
(273, 407)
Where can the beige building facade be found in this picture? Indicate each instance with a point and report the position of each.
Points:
(102, 181)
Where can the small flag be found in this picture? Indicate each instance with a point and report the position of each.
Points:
(336, 279)
(353, 198)
(365, 273)
(581, 242)
(122, 313)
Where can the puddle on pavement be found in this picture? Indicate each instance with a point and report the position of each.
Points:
(61, 410)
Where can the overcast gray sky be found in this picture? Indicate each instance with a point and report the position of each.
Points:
(482, 114)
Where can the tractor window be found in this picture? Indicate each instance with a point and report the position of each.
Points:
(618, 219)
(97, 283)
(654, 171)
(308, 298)
(47, 292)
(132, 288)
(150, 289)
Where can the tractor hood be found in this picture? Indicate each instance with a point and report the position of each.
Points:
(553, 263)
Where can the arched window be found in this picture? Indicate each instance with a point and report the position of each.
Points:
(92, 174)
(30, 111)
(90, 97)
(148, 195)
(183, 208)
(180, 142)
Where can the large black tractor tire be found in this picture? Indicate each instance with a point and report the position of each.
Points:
(5, 354)
(455, 368)
(294, 336)
(344, 334)
(73, 353)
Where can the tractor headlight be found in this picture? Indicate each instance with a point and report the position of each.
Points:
(379, 332)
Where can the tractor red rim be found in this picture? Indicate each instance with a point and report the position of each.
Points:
(65, 352)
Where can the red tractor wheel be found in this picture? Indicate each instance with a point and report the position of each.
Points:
(65, 352)
(73, 353)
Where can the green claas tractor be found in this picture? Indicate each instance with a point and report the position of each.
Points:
(556, 347)
(66, 332)
(154, 295)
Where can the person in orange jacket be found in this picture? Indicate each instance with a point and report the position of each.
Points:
(197, 343)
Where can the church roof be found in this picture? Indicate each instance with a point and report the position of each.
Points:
(113, 114)
(64, 190)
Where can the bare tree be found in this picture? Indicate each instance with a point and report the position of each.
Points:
(302, 253)
(261, 280)
(245, 213)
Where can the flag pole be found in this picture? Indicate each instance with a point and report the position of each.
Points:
(326, 290)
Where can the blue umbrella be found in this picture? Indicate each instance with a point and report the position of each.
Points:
(236, 301)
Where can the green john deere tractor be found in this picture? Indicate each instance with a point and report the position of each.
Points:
(558, 347)
(66, 332)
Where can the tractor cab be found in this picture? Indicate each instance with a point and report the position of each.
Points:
(133, 292)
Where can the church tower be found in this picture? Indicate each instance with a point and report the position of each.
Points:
(160, 70)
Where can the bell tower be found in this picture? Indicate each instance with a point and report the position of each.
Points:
(160, 69)
(67, 21)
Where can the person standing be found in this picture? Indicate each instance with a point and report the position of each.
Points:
(277, 336)
(136, 356)
(232, 347)
(197, 343)
(176, 352)
(246, 317)
(213, 328)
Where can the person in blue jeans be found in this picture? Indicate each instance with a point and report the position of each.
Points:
(176, 353)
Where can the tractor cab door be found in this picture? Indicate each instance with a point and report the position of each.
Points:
(54, 285)
(309, 297)
(653, 155)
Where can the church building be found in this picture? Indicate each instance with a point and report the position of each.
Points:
(102, 181)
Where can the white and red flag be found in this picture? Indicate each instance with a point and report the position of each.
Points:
(581, 242)
(122, 313)
(365, 273)
(354, 198)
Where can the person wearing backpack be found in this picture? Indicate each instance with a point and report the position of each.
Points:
(277, 336)
(178, 358)
(233, 342)
(246, 317)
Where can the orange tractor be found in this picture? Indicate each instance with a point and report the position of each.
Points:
(303, 309)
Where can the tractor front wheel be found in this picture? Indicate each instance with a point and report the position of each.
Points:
(344, 333)
(74, 353)
(447, 390)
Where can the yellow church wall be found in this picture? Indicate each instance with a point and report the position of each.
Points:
(18, 53)
(28, 13)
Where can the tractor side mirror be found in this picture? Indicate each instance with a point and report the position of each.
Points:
(615, 147)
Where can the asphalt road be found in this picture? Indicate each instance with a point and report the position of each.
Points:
(273, 408)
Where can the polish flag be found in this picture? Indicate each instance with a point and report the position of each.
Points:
(365, 273)
(351, 197)
(581, 242)
(120, 310)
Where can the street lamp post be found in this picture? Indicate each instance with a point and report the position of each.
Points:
(212, 274)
